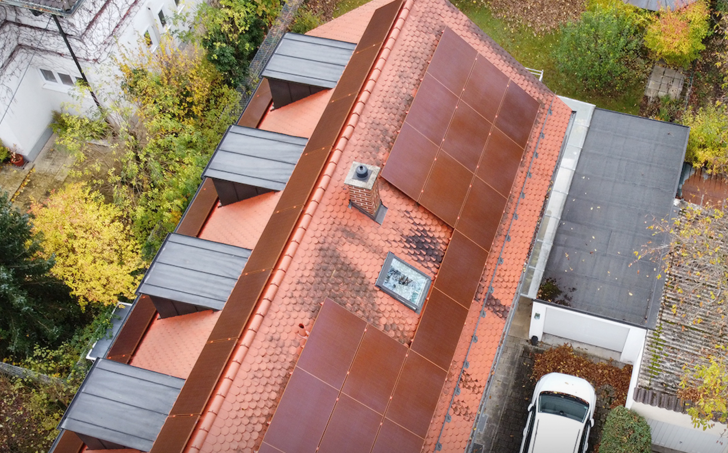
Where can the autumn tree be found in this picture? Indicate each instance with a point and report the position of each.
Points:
(94, 252)
(696, 291)
(676, 35)
(708, 142)
(36, 308)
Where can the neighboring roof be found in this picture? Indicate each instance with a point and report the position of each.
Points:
(194, 271)
(57, 7)
(118, 317)
(255, 157)
(121, 404)
(657, 5)
(309, 60)
(626, 179)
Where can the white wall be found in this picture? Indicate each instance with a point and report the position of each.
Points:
(569, 324)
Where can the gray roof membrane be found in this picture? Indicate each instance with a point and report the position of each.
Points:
(122, 404)
(309, 60)
(101, 347)
(625, 181)
(194, 271)
(255, 157)
(656, 5)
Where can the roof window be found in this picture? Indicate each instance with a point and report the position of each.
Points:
(403, 282)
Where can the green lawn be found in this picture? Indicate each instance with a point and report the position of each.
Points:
(536, 52)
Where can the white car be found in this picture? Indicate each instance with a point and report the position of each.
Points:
(560, 415)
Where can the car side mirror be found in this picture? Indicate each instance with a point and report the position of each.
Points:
(591, 422)
(530, 407)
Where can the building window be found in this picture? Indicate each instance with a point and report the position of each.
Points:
(65, 79)
(48, 75)
(162, 18)
(403, 282)
(148, 38)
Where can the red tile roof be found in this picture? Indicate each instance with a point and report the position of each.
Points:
(342, 251)
(339, 254)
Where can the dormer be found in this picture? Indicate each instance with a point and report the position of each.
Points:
(303, 65)
(191, 274)
(120, 406)
(250, 162)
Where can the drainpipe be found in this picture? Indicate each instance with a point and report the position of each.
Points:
(75, 60)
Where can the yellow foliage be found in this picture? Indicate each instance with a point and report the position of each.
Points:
(95, 254)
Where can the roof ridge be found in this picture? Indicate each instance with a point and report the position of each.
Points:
(213, 408)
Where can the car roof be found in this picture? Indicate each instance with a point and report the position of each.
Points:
(556, 434)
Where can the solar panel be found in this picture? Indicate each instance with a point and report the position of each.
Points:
(301, 416)
(439, 329)
(375, 370)
(485, 97)
(446, 188)
(466, 136)
(482, 213)
(461, 269)
(517, 114)
(352, 428)
(393, 437)
(481, 122)
(416, 395)
(332, 344)
(410, 161)
(501, 159)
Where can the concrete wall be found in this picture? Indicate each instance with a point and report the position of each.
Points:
(561, 322)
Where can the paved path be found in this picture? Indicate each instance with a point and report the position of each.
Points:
(664, 82)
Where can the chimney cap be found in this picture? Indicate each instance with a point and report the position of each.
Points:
(362, 175)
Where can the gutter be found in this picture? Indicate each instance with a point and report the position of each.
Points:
(241, 350)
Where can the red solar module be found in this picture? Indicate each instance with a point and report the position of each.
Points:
(332, 344)
(446, 188)
(352, 428)
(517, 114)
(394, 438)
(375, 370)
(485, 97)
(432, 109)
(466, 136)
(452, 62)
(410, 161)
(416, 395)
(302, 415)
(481, 213)
(461, 269)
(500, 162)
(439, 329)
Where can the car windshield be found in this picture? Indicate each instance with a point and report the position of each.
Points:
(561, 404)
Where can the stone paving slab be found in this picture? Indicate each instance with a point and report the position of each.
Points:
(664, 82)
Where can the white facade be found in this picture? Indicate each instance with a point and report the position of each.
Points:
(36, 70)
(624, 339)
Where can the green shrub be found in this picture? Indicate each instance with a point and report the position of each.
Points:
(601, 51)
(305, 20)
(625, 432)
(4, 153)
(708, 142)
(677, 36)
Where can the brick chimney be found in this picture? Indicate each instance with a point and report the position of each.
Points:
(364, 189)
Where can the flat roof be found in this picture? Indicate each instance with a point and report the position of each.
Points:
(625, 180)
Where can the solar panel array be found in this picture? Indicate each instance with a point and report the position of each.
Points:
(463, 139)
(354, 389)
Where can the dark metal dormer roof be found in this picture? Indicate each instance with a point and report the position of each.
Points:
(309, 60)
(121, 406)
(303, 65)
(191, 274)
(254, 160)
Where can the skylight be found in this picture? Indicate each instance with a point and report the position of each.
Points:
(403, 282)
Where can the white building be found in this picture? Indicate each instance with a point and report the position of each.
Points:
(37, 70)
